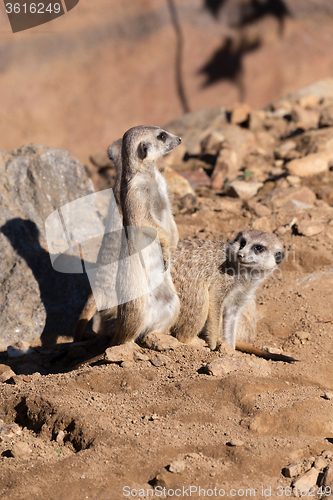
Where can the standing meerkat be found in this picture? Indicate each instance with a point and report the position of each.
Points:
(216, 284)
(146, 211)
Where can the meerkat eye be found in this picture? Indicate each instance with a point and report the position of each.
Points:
(258, 249)
(242, 243)
(162, 136)
(279, 256)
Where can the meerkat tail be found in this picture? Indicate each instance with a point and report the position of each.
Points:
(87, 313)
(250, 349)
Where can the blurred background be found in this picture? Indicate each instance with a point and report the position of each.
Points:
(81, 80)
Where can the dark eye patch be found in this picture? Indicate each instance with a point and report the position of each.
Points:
(242, 243)
(258, 249)
(162, 136)
(279, 256)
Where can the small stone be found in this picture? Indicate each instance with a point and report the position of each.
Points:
(119, 353)
(159, 359)
(306, 481)
(222, 366)
(6, 373)
(26, 379)
(310, 227)
(308, 101)
(305, 118)
(177, 467)
(20, 450)
(227, 166)
(292, 470)
(235, 442)
(256, 119)
(274, 350)
(160, 342)
(328, 395)
(243, 190)
(127, 364)
(284, 149)
(162, 479)
(212, 143)
(319, 462)
(60, 437)
(259, 209)
(9, 430)
(239, 113)
(280, 197)
(327, 454)
(293, 180)
(326, 117)
(262, 224)
(140, 356)
(178, 186)
(327, 479)
(314, 163)
(302, 335)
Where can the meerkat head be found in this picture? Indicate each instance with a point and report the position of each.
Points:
(114, 152)
(256, 249)
(144, 144)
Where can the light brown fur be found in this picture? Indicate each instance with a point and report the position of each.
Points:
(145, 204)
(216, 288)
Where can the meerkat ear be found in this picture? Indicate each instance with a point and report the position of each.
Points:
(238, 236)
(143, 150)
(279, 256)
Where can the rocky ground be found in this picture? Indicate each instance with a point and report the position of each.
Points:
(165, 417)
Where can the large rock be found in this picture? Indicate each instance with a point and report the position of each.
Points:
(35, 299)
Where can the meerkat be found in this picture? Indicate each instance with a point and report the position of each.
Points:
(216, 283)
(146, 211)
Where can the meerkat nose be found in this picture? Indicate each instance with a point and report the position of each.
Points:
(179, 140)
(240, 256)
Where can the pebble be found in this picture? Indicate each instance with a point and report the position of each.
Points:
(235, 442)
(160, 342)
(310, 227)
(239, 113)
(292, 470)
(177, 467)
(60, 437)
(6, 373)
(20, 450)
(320, 462)
(212, 143)
(9, 430)
(243, 189)
(314, 163)
(328, 395)
(159, 359)
(306, 481)
(119, 353)
(222, 366)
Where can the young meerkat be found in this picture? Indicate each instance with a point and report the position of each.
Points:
(216, 283)
(146, 211)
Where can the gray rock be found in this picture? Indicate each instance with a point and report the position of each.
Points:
(292, 470)
(36, 300)
(177, 467)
